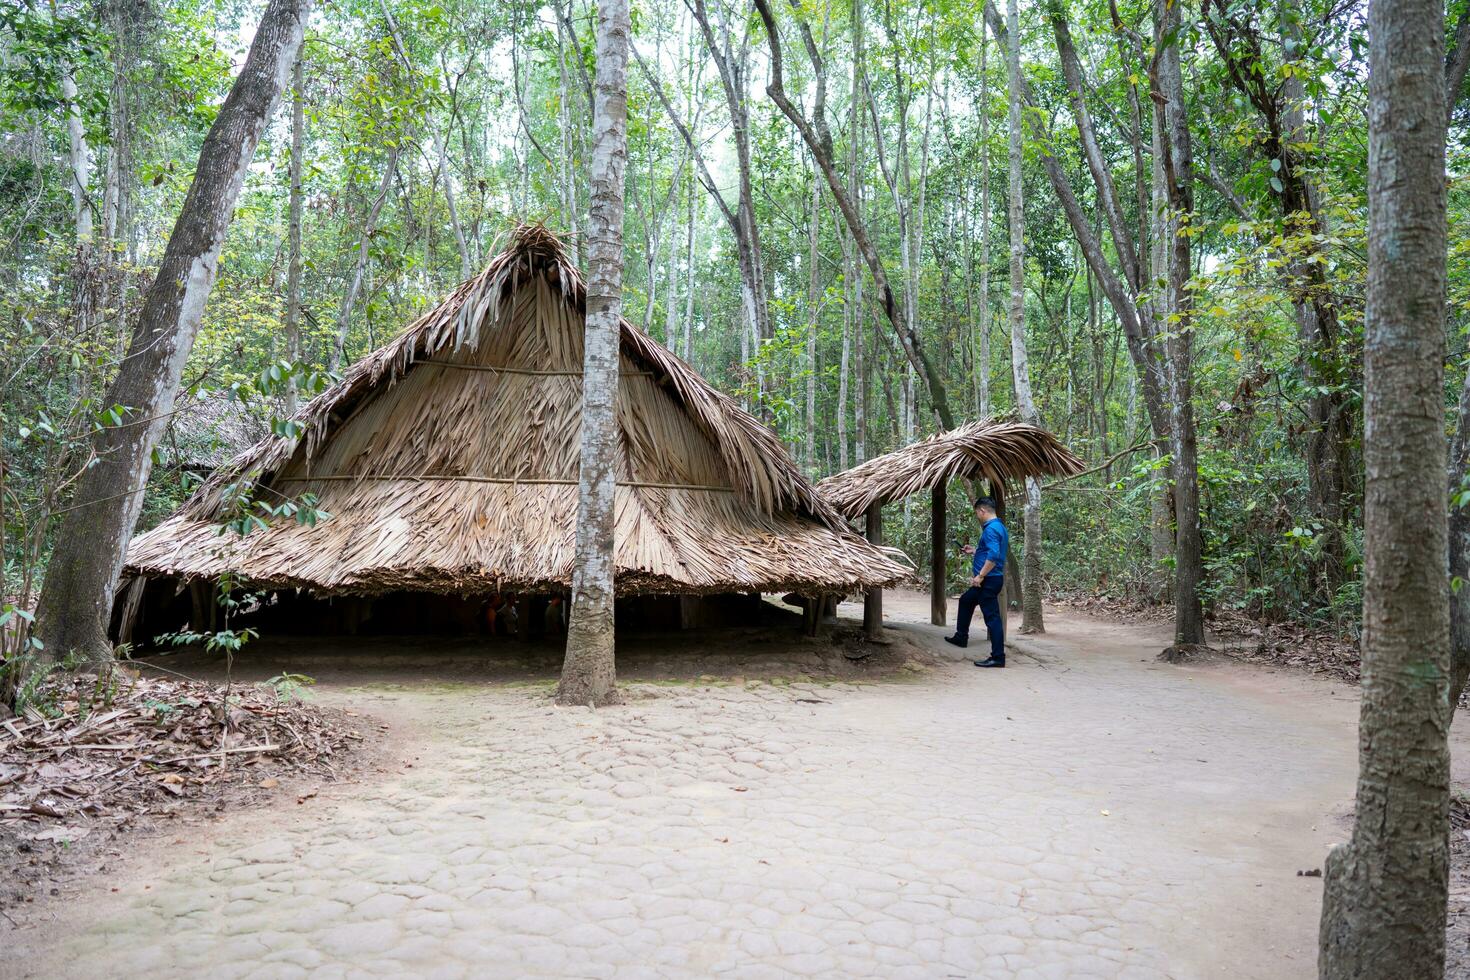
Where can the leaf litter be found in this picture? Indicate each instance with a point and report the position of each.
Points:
(80, 766)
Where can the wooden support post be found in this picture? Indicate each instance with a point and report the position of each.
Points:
(938, 567)
(199, 605)
(873, 602)
(1012, 570)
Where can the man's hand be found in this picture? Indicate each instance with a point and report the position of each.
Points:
(977, 581)
(967, 549)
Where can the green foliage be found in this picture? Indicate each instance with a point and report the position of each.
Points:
(502, 87)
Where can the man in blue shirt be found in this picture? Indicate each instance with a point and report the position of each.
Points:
(989, 568)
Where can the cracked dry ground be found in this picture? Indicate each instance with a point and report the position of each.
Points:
(1086, 813)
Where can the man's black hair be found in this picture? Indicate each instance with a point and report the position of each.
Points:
(985, 502)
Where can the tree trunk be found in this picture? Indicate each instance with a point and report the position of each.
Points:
(818, 139)
(1031, 616)
(734, 69)
(354, 285)
(747, 241)
(1134, 315)
(589, 673)
(1178, 163)
(293, 231)
(1323, 364)
(982, 366)
(1383, 911)
(689, 274)
(845, 364)
(76, 600)
(813, 305)
(79, 166)
(564, 115)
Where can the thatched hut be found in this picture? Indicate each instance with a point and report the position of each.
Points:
(209, 430)
(448, 462)
(996, 450)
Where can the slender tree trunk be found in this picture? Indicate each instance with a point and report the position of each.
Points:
(588, 673)
(1135, 316)
(1459, 551)
(564, 112)
(1031, 615)
(671, 294)
(354, 284)
(813, 305)
(818, 139)
(1286, 140)
(1129, 292)
(734, 68)
(1383, 912)
(76, 600)
(446, 181)
(1178, 162)
(753, 302)
(689, 270)
(855, 191)
(1161, 491)
(982, 367)
(441, 172)
(293, 231)
(845, 364)
(79, 166)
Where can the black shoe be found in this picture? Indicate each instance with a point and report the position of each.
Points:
(990, 662)
(957, 641)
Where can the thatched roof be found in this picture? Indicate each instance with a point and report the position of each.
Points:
(209, 430)
(448, 460)
(996, 450)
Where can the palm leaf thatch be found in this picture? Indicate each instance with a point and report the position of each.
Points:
(448, 460)
(996, 450)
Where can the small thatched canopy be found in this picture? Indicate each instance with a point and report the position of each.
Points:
(448, 460)
(996, 450)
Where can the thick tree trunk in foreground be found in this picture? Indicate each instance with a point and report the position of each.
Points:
(1031, 618)
(77, 597)
(588, 673)
(1383, 913)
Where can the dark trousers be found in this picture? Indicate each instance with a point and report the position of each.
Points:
(987, 597)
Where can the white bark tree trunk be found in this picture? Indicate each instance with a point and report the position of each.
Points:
(982, 367)
(588, 672)
(1031, 617)
(813, 301)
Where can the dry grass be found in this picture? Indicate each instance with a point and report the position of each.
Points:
(995, 450)
(449, 457)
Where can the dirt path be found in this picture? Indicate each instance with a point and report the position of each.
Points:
(1087, 812)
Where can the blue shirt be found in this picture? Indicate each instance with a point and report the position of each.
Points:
(994, 542)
